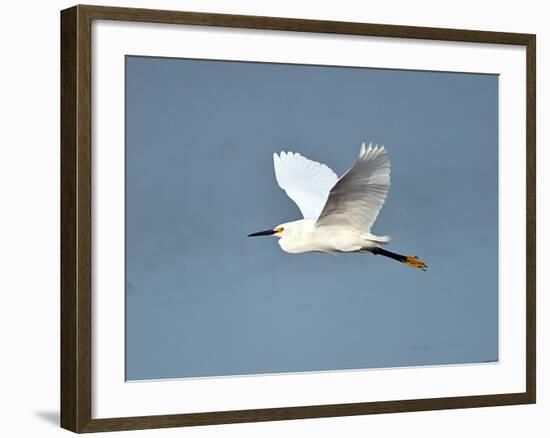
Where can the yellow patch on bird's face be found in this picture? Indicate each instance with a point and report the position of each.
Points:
(279, 230)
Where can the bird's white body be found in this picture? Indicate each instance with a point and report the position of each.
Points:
(305, 236)
(338, 212)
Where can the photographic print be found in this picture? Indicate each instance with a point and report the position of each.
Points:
(268, 218)
(285, 218)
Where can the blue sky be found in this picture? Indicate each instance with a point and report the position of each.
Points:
(205, 300)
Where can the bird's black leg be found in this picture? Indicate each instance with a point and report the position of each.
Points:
(408, 260)
(386, 253)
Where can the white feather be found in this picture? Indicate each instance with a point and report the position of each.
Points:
(358, 196)
(306, 182)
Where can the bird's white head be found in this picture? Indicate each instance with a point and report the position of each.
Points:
(295, 237)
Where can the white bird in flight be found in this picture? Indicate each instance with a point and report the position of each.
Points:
(338, 212)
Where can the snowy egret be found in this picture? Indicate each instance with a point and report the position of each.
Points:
(338, 213)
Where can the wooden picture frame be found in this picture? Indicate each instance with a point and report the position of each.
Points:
(76, 218)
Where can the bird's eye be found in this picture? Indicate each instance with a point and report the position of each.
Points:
(279, 229)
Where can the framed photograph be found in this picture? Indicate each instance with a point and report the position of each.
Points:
(270, 218)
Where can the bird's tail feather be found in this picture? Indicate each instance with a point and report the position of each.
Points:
(379, 239)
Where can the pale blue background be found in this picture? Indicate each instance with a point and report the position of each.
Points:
(205, 300)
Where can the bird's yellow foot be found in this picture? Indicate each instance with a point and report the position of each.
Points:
(415, 262)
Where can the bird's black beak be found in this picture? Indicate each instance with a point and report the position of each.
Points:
(263, 233)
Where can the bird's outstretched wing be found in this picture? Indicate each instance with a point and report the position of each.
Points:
(360, 193)
(306, 182)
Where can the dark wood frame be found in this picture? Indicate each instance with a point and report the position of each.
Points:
(76, 237)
